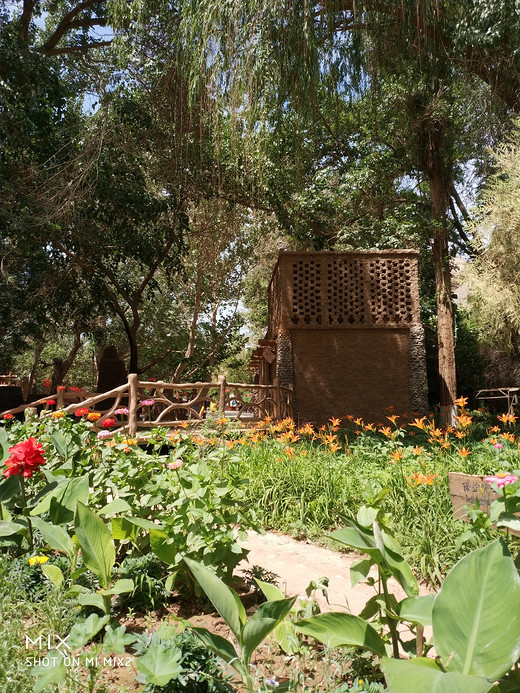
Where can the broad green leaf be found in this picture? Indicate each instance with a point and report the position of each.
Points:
(222, 648)
(160, 664)
(342, 630)
(287, 638)
(225, 601)
(55, 536)
(355, 537)
(271, 592)
(97, 545)
(476, 614)
(60, 443)
(75, 590)
(509, 521)
(116, 639)
(60, 501)
(91, 599)
(262, 622)
(5, 515)
(161, 548)
(7, 529)
(402, 572)
(118, 505)
(359, 570)
(120, 587)
(53, 573)
(144, 523)
(122, 529)
(366, 516)
(83, 631)
(4, 446)
(422, 675)
(8, 487)
(55, 672)
(417, 609)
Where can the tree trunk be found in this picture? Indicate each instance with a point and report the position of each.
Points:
(439, 186)
(62, 366)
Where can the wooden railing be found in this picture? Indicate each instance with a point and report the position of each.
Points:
(8, 380)
(140, 405)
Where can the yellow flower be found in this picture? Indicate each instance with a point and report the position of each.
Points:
(94, 416)
(37, 560)
(213, 407)
(58, 414)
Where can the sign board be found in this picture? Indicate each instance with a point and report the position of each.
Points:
(466, 489)
(268, 355)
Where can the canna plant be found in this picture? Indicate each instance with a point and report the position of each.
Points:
(248, 634)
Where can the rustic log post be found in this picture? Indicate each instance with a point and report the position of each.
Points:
(132, 403)
(60, 399)
(222, 393)
(277, 398)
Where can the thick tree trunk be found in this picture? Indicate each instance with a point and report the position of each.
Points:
(439, 186)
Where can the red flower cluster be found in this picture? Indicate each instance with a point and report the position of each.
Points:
(25, 458)
(108, 423)
(8, 416)
(46, 382)
(81, 412)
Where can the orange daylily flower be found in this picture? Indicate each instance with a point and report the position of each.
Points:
(463, 452)
(392, 418)
(508, 436)
(419, 478)
(396, 456)
(461, 402)
(419, 423)
(335, 422)
(386, 431)
(417, 450)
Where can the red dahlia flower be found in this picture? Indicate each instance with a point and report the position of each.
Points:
(25, 458)
(108, 423)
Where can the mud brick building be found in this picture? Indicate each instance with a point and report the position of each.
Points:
(345, 332)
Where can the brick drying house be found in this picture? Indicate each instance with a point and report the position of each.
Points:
(345, 332)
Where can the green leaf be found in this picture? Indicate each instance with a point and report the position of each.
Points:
(122, 529)
(144, 523)
(60, 443)
(355, 537)
(422, 675)
(222, 648)
(509, 521)
(83, 631)
(161, 548)
(271, 592)
(225, 601)
(7, 529)
(160, 664)
(366, 516)
(416, 609)
(97, 545)
(476, 614)
(116, 639)
(53, 573)
(359, 570)
(118, 505)
(120, 587)
(4, 446)
(90, 599)
(342, 630)
(60, 501)
(55, 536)
(55, 672)
(264, 620)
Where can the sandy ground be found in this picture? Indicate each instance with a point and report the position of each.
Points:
(298, 562)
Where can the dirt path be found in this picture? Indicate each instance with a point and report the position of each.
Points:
(297, 563)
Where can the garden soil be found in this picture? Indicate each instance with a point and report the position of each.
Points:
(296, 563)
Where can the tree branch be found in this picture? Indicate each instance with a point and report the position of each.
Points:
(65, 25)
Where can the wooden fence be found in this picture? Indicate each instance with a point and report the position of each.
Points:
(142, 405)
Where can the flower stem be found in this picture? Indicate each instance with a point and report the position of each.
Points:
(24, 502)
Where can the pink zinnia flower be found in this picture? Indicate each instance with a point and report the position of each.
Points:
(148, 402)
(498, 446)
(501, 479)
(122, 412)
(175, 465)
(103, 434)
